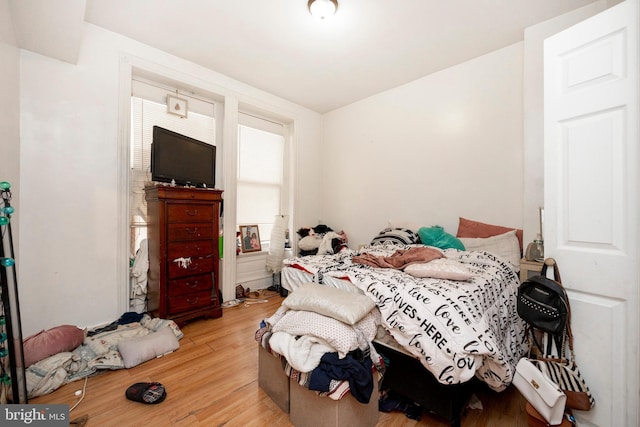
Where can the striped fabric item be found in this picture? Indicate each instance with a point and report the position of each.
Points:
(402, 236)
(566, 374)
(337, 388)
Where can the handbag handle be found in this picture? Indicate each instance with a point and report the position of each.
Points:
(556, 271)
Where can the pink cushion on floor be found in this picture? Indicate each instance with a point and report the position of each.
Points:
(52, 341)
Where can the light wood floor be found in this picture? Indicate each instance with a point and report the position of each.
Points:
(211, 380)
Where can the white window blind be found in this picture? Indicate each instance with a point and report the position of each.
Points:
(148, 109)
(261, 148)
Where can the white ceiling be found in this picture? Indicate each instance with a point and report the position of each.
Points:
(275, 45)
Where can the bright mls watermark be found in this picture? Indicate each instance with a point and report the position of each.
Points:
(34, 415)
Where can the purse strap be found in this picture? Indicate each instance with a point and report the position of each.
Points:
(566, 339)
(556, 271)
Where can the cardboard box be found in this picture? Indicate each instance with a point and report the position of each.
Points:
(307, 409)
(272, 379)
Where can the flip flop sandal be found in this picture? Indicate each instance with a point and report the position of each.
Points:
(146, 392)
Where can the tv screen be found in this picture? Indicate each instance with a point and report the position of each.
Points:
(182, 159)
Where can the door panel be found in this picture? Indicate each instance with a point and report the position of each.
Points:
(591, 199)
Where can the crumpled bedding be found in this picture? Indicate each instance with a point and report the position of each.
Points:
(457, 330)
(97, 353)
(400, 259)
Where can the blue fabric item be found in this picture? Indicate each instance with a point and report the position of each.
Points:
(437, 237)
(126, 318)
(358, 374)
(130, 317)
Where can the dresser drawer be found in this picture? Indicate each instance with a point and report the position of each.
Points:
(189, 212)
(178, 232)
(190, 301)
(193, 249)
(198, 265)
(181, 287)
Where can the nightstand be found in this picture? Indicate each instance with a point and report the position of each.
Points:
(527, 267)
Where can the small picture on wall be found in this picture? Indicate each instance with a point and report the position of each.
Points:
(177, 106)
(250, 238)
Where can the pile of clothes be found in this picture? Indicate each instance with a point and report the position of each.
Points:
(321, 240)
(323, 353)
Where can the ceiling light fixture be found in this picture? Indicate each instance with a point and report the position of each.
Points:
(322, 9)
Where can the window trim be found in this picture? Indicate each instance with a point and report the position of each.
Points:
(263, 122)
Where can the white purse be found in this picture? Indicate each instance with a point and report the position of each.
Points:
(542, 393)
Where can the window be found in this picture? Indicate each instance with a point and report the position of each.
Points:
(261, 165)
(148, 108)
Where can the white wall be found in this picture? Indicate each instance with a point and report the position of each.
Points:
(10, 117)
(69, 176)
(447, 145)
(444, 146)
(533, 109)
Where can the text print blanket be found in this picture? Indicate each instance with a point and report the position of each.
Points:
(456, 329)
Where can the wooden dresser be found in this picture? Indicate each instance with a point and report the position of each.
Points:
(183, 230)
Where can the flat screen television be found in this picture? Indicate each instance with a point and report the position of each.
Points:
(179, 158)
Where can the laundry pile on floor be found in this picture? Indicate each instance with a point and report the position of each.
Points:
(66, 353)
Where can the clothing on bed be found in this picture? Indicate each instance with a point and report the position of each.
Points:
(400, 259)
(318, 265)
(457, 329)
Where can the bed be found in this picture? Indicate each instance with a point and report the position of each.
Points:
(442, 336)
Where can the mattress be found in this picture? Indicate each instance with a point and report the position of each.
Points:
(320, 269)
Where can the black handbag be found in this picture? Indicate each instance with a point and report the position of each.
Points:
(543, 302)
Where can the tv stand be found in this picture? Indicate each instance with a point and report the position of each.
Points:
(183, 230)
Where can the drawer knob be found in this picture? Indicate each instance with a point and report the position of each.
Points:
(192, 285)
(192, 301)
(192, 213)
(192, 231)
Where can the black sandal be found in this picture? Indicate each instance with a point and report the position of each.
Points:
(146, 392)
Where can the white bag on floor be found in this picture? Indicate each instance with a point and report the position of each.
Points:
(542, 393)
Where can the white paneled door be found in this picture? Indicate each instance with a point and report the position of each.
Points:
(591, 200)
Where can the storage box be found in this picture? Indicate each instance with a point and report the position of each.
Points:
(307, 409)
(272, 379)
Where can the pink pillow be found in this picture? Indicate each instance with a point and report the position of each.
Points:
(470, 228)
(52, 341)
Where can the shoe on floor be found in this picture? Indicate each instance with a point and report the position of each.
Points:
(146, 392)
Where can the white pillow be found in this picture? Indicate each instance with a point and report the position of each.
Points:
(441, 268)
(345, 306)
(505, 246)
(134, 351)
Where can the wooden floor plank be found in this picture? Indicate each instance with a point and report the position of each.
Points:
(211, 380)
